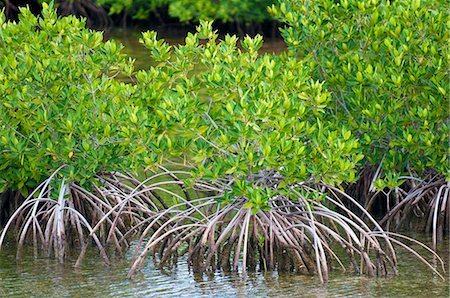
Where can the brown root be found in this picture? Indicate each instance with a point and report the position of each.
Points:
(428, 200)
(58, 215)
(298, 234)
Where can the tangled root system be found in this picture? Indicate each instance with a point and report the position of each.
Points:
(298, 234)
(58, 215)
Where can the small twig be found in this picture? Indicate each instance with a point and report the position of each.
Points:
(212, 144)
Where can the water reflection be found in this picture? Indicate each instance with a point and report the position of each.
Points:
(43, 277)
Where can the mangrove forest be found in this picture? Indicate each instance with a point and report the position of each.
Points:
(328, 156)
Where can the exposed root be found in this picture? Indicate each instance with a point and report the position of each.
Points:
(59, 215)
(306, 231)
(298, 234)
(10, 9)
(428, 199)
(47, 220)
(418, 204)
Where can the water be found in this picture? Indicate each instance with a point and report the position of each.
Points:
(44, 277)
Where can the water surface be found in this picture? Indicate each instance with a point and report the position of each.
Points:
(44, 277)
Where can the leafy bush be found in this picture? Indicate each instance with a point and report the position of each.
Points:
(60, 103)
(139, 9)
(238, 116)
(68, 129)
(386, 65)
(224, 10)
(253, 128)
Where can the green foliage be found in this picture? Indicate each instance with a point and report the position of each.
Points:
(240, 116)
(386, 64)
(223, 10)
(60, 104)
(139, 9)
(194, 10)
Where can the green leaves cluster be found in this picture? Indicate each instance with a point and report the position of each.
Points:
(138, 9)
(235, 114)
(386, 65)
(60, 105)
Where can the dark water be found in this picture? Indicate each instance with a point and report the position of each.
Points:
(43, 277)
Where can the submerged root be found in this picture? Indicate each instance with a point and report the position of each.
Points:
(427, 199)
(49, 218)
(417, 204)
(298, 234)
(58, 215)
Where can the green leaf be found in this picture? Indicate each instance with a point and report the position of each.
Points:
(248, 205)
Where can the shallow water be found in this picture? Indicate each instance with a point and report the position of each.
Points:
(43, 277)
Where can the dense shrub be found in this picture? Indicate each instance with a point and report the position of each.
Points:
(254, 131)
(386, 65)
(64, 134)
(234, 114)
(60, 103)
(265, 159)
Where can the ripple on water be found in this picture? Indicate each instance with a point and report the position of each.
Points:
(42, 277)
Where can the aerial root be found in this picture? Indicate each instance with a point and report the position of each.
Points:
(298, 234)
(59, 215)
